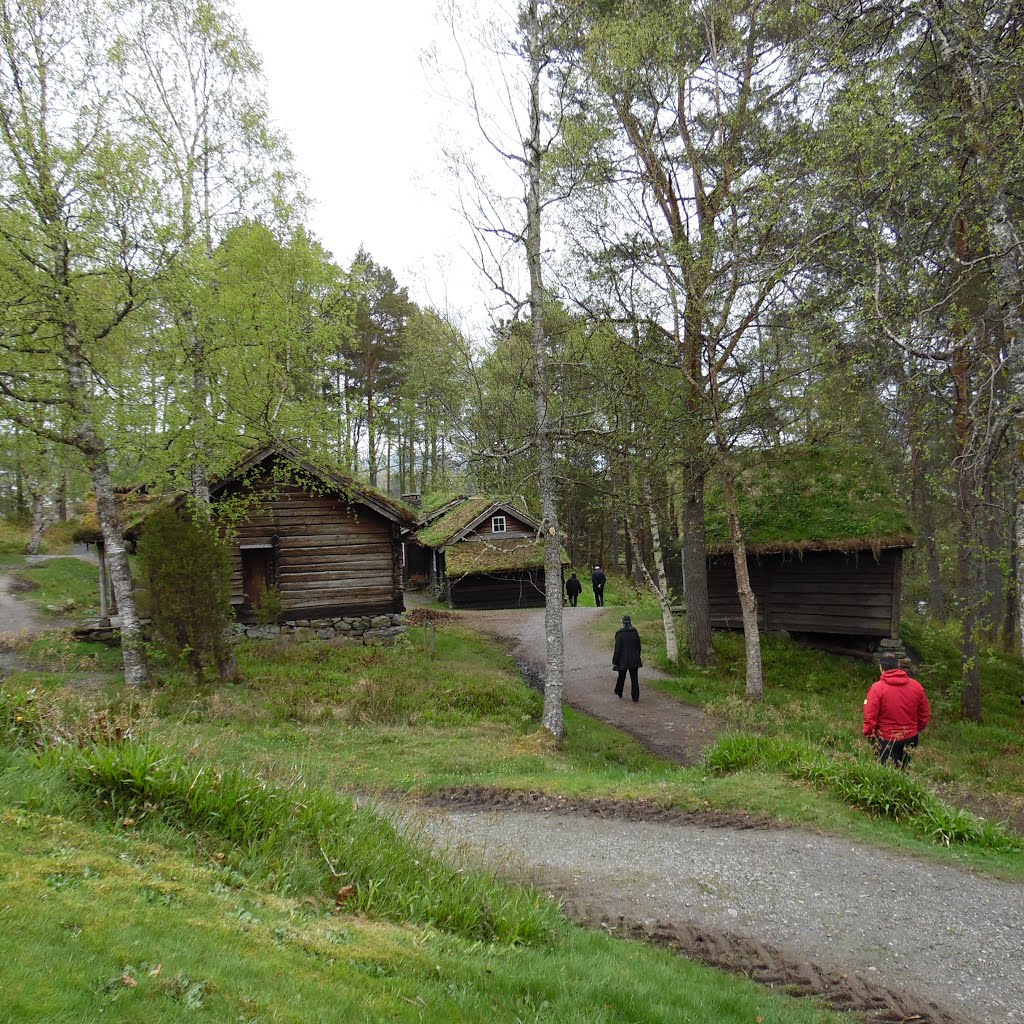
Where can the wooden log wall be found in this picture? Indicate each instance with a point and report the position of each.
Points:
(501, 590)
(822, 592)
(328, 555)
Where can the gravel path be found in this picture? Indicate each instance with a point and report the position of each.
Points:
(16, 615)
(668, 727)
(936, 941)
(887, 937)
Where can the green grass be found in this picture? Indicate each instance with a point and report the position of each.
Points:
(62, 586)
(156, 921)
(394, 719)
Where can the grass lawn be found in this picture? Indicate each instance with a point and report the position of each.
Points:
(217, 891)
(60, 587)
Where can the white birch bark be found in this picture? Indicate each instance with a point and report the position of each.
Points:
(39, 521)
(553, 720)
(748, 600)
(659, 586)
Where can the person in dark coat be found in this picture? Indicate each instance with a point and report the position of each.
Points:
(598, 579)
(573, 588)
(627, 658)
(896, 712)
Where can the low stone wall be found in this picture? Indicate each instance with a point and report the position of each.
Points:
(356, 628)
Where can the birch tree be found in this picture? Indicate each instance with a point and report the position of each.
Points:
(79, 248)
(509, 232)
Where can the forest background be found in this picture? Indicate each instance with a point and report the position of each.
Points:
(765, 225)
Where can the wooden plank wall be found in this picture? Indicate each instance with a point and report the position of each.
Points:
(328, 555)
(509, 590)
(513, 527)
(823, 592)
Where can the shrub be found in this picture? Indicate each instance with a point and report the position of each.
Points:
(187, 573)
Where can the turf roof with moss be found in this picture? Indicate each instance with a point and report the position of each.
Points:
(474, 557)
(812, 498)
(135, 504)
(445, 527)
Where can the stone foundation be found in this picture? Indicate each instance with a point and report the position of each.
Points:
(366, 629)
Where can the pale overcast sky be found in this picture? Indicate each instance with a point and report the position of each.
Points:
(346, 84)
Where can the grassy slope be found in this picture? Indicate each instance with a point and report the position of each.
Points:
(183, 935)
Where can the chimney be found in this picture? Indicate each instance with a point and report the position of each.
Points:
(415, 499)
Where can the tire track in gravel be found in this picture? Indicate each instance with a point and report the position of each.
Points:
(880, 936)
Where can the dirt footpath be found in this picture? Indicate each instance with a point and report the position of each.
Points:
(676, 731)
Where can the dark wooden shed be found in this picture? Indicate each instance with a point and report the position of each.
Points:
(328, 544)
(483, 553)
(826, 530)
(845, 594)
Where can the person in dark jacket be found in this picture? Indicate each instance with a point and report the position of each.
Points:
(598, 580)
(627, 658)
(896, 712)
(573, 588)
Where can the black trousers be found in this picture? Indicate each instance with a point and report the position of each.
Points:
(573, 598)
(897, 751)
(634, 682)
(599, 596)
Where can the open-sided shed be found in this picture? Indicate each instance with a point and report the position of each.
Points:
(825, 531)
(483, 553)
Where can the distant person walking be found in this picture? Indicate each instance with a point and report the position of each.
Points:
(896, 712)
(627, 658)
(598, 579)
(573, 588)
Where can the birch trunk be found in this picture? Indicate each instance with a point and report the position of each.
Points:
(748, 600)
(35, 537)
(661, 590)
(553, 719)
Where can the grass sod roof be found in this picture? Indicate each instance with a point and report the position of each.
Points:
(445, 527)
(481, 557)
(136, 504)
(811, 498)
(133, 506)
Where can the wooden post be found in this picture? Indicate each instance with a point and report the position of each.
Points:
(897, 594)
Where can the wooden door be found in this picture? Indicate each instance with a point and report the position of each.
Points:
(255, 574)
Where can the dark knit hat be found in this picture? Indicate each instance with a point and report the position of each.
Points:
(626, 620)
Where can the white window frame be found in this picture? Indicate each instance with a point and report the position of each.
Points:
(495, 528)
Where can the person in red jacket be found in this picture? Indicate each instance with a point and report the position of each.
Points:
(896, 712)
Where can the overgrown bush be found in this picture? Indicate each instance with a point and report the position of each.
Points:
(187, 573)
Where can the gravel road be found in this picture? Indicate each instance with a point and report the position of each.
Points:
(942, 943)
(888, 938)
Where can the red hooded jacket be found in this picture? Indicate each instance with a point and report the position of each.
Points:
(896, 707)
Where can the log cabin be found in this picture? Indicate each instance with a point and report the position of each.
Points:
(328, 545)
(825, 532)
(481, 552)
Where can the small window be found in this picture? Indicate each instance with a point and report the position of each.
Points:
(498, 524)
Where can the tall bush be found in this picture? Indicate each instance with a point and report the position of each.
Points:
(187, 572)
